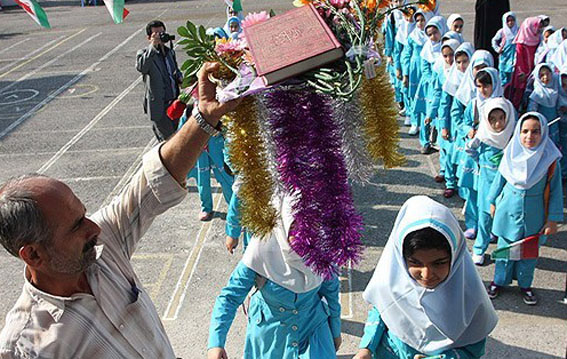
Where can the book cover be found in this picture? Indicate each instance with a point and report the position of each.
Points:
(297, 37)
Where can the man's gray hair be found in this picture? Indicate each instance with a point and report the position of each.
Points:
(21, 220)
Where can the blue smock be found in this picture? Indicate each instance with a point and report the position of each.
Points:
(506, 59)
(550, 114)
(412, 55)
(444, 121)
(281, 323)
(385, 345)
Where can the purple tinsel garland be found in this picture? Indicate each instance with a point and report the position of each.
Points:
(310, 161)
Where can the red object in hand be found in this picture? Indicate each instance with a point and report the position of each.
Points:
(175, 110)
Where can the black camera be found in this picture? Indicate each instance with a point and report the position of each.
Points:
(165, 37)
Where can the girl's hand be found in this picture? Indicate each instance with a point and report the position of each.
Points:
(406, 83)
(492, 210)
(217, 353)
(419, 356)
(398, 74)
(445, 134)
(550, 228)
(427, 121)
(472, 133)
(563, 109)
(231, 243)
(338, 341)
(389, 59)
(363, 354)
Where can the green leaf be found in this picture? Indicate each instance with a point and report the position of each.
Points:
(192, 29)
(202, 33)
(182, 31)
(272, 13)
(184, 42)
(186, 64)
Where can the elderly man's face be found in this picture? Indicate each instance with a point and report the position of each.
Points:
(71, 249)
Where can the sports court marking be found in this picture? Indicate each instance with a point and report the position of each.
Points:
(345, 294)
(33, 52)
(13, 45)
(166, 259)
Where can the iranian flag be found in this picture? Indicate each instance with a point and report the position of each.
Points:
(116, 10)
(236, 5)
(527, 248)
(35, 11)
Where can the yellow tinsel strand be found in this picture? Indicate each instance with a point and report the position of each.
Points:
(381, 128)
(248, 157)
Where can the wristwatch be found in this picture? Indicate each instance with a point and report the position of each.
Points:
(204, 125)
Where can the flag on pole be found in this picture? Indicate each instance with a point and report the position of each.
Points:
(527, 248)
(236, 5)
(117, 10)
(35, 11)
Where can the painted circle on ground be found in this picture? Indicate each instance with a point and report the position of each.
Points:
(17, 96)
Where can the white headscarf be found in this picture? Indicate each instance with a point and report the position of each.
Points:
(452, 35)
(417, 34)
(454, 314)
(440, 64)
(404, 29)
(431, 50)
(455, 77)
(485, 132)
(497, 90)
(273, 258)
(509, 33)
(452, 18)
(543, 48)
(562, 102)
(467, 90)
(523, 167)
(559, 58)
(545, 95)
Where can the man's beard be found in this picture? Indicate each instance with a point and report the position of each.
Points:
(61, 264)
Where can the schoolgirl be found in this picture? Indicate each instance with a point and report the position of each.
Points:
(448, 131)
(526, 199)
(435, 29)
(544, 97)
(562, 109)
(559, 58)
(424, 280)
(543, 48)
(496, 127)
(503, 44)
(233, 27)
(293, 313)
(455, 22)
(393, 49)
(412, 56)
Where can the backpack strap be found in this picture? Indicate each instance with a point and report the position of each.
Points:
(547, 190)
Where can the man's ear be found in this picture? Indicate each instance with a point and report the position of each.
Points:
(30, 254)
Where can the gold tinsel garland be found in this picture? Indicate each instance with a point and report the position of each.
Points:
(248, 157)
(380, 120)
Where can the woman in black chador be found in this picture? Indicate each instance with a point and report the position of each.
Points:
(488, 20)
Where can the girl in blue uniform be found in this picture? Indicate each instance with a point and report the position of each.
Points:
(427, 295)
(544, 96)
(393, 49)
(448, 129)
(519, 204)
(503, 44)
(464, 96)
(562, 108)
(405, 28)
(412, 78)
(441, 70)
(287, 317)
(435, 29)
(496, 127)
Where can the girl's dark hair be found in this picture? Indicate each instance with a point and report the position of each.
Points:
(426, 238)
(484, 78)
(461, 53)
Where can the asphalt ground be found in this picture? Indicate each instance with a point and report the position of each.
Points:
(71, 107)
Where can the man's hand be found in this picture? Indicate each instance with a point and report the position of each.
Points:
(492, 210)
(154, 40)
(445, 134)
(216, 353)
(338, 341)
(363, 354)
(550, 228)
(211, 109)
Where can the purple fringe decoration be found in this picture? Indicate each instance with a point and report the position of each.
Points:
(327, 228)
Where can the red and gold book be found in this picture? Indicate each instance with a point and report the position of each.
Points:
(291, 43)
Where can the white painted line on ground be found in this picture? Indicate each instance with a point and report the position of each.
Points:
(87, 179)
(109, 128)
(349, 305)
(33, 52)
(14, 45)
(43, 53)
(86, 129)
(50, 62)
(178, 296)
(99, 150)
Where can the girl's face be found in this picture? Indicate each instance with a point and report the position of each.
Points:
(530, 134)
(433, 33)
(420, 21)
(458, 26)
(429, 267)
(497, 120)
(510, 21)
(477, 68)
(234, 27)
(448, 55)
(564, 82)
(544, 23)
(546, 35)
(483, 89)
(397, 3)
(462, 62)
(545, 75)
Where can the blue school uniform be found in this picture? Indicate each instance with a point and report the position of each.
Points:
(281, 323)
(434, 112)
(550, 114)
(445, 122)
(506, 58)
(520, 214)
(385, 345)
(422, 97)
(411, 55)
(393, 49)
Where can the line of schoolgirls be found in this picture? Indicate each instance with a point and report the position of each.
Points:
(457, 102)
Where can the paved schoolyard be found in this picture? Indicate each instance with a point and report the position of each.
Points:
(70, 107)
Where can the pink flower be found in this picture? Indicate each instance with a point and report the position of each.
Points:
(228, 46)
(339, 4)
(255, 18)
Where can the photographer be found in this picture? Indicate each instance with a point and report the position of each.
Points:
(162, 77)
